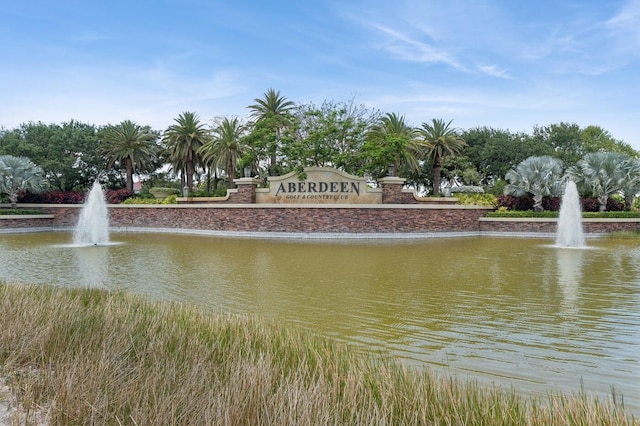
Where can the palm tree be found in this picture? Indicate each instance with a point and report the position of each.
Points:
(603, 173)
(440, 141)
(183, 139)
(273, 109)
(19, 174)
(129, 142)
(225, 147)
(631, 183)
(391, 142)
(536, 176)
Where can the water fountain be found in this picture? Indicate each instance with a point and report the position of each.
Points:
(570, 233)
(93, 224)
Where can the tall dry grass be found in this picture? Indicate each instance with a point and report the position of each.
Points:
(86, 356)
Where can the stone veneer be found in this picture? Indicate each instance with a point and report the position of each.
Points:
(542, 225)
(326, 219)
(282, 218)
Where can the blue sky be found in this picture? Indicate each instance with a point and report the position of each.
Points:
(504, 64)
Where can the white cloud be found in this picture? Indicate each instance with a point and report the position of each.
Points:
(494, 71)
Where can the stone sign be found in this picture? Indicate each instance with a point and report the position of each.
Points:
(321, 185)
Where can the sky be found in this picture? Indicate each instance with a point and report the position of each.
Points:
(504, 64)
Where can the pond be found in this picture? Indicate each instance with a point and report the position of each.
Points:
(515, 312)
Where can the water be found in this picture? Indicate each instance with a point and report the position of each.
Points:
(515, 312)
(93, 223)
(570, 233)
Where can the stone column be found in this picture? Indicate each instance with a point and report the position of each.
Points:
(245, 191)
(392, 191)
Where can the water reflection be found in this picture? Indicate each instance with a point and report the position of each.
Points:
(570, 267)
(509, 311)
(92, 264)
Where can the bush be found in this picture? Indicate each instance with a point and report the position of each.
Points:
(511, 202)
(615, 205)
(53, 197)
(220, 192)
(171, 199)
(551, 203)
(497, 188)
(612, 215)
(117, 196)
(501, 212)
(589, 204)
(161, 191)
(112, 196)
(477, 199)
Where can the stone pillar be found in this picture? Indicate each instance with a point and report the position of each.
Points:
(392, 191)
(245, 191)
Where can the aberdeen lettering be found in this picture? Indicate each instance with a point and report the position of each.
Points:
(311, 188)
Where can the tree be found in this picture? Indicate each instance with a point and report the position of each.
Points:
(391, 142)
(536, 176)
(494, 152)
(183, 139)
(602, 173)
(68, 153)
(440, 140)
(19, 174)
(129, 142)
(330, 135)
(631, 182)
(565, 140)
(225, 147)
(273, 110)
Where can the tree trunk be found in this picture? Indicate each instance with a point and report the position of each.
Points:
(436, 176)
(603, 202)
(209, 180)
(13, 198)
(129, 167)
(537, 203)
(231, 172)
(190, 170)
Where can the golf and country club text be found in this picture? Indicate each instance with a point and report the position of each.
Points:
(303, 190)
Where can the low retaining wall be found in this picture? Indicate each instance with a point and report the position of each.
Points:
(548, 226)
(284, 218)
(14, 223)
(318, 219)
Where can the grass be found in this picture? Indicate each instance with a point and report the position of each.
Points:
(85, 356)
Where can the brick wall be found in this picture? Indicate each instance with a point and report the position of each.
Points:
(280, 218)
(26, 221)
(301, 219)
(590, 226)
(310, 219)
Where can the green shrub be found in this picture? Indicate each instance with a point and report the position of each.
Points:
(612, 215)
(502, 212)
(477, 199)
(19, 212)
(220, 192)
(171, 199)
(160, 189)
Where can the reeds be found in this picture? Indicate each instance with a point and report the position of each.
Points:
(85, 356)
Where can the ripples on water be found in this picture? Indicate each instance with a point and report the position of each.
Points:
(508, 311)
